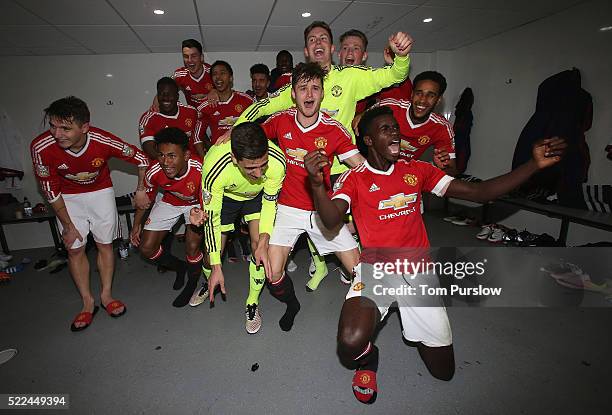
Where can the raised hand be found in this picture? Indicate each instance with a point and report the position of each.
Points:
(548, 151)
(400, 43)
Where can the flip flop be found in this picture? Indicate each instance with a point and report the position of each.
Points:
(364, 386)
(84, 317)
(112, 306)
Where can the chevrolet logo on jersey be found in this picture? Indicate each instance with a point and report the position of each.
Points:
(297, 154)
(398, 201)
(331, 113)
(228, 121)
(405, 145)
(84, 177)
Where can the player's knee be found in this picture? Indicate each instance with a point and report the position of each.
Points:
(148, 250)
(76, 252)
(352, 341)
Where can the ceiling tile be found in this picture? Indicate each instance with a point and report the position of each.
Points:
(8, 51)
(15, 15)
(167, 35)
(106, 39)
(35, 36)
(59, 50)
(234, 12)
(77, 12)
(177, 12)
(371, 18)
(289, 13)
(220, 38)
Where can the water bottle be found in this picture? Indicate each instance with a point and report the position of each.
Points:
(123, 250)
(27, 207)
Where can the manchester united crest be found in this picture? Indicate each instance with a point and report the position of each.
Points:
(188, 122)
(97, 162)
(238, 108)
(423, 140)
(320, 142)
(336, 91)
(191, 187)
(410, 179)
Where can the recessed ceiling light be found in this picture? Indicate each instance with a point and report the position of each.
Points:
(427, 20)
(158, 11)
(109, 75)
(605, 29)
(306, 14)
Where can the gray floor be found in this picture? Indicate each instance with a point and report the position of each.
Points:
(160, 360)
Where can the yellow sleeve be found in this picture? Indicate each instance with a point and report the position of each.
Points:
(212, 197)
(268, 106)
(271, 189)
(371, 80)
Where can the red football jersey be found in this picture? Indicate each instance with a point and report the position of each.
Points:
(222, 117)
(436, 131)
(62, 171)
(297, 141)
(192, 86)
(178, 191)
(187, 119)
(281, 81)
(386, 205)
(399, 91)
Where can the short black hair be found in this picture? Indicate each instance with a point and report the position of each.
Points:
(307, 71)
(172, 135)
(285, 52)
(166, 80)
(260, 68)
(249, 141)
(68, 109)
(192, 43)
(321, 24)
(356, 33)
(222, 63)
(434, 76)
(366, 123)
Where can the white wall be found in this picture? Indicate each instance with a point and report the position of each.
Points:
(30, 84)
(528, 55)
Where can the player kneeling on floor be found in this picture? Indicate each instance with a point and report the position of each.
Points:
(383, 194)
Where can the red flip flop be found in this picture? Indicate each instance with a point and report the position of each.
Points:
(364, 386)
(84, 317)
(112, 306)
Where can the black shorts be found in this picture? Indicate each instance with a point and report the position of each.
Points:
(232, 209)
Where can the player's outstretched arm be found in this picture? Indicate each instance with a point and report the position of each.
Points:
(331, 211)
(545, 153)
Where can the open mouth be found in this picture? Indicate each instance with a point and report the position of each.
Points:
(319, 52)
(310, 104)
(394, 147)
(349, 61)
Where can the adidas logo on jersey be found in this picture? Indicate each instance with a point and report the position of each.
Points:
(188, 88)
(288, 136)
(63, 166)
(217, 113)
(374, 188)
